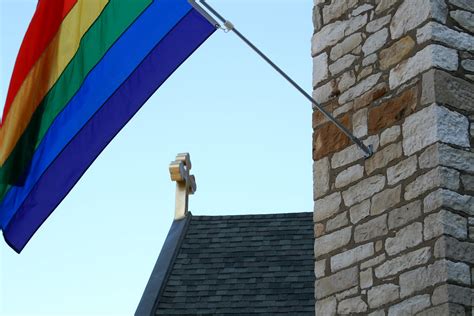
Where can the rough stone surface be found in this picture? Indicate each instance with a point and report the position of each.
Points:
(346, 46)
(351, 292)
(468, 182)
(385, 200)
(352, 153)
(389, 135)
(377, 24)
(449, 199)
(445, 222)
(337, 222)
(429, 57)
(351, 306)
(336, 9)
(392, 111)
(445, 309)
(320, 268)
(363, 189)
(468, 64)
(327, 206)
(414, 12)
(337, 282)
(375, 41)
(464, 18)
(333, 241)
(342, 63)
(383, 157)
(382, 294)
(402, 170)
(326, 306)
(410, 306)
(360, 123)
(403, 215)
(349, 175)
(452, 293)
(366, 279)
(438, 272)
(321, 177)
(431, 124)
(371, 229)
(320, 68)
(404, 262)
(437, 32)
(359, 211)
(442, 154)
(438, 177)
(395, 53)
(463, 4)
(373, 262)
(362, 87)
(351, 256)
(407, 237)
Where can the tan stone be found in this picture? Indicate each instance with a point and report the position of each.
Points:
(318, 230)
(392, 110)
(370, 96)
(395, 53)
(329, 138)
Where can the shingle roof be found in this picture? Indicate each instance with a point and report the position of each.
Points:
(249, 264)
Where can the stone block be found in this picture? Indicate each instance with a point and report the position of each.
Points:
(361, 9)
(329, 138)
(344, 82)
(453, 294)
(432, 124)
(468, 64)
(373, 262)
(443, 88)
(429, 57)
(351, 306)
(438, 177)
(359, 122)
(464, 18)
(389, 135)
(384, 200)
(382, 294)
(383, 157)
(403, 262)
(392, 111)
(342, 64)
(445, 309)
(327, 243)
(412, 13)
(351, 256)
(438, 272)
(326, 92)
(463, 4)
(370, 96)
(337, 222)
(383, 5)
(346, 46)
(403, 215)
(366, 279)
(467, 182)
(440, 33)
(319, 230)
(352, 153)
(336, 9)
(350, 292)
(321, 177)
(336, 282)
(374, 228)
(405, 238)
(410, 306)
(320, 68)
(326, 306)
(445, 223)
(377, 24)
(359, 211)
(375, 41)
(327, 207)
(360, 88)
(363, 190)
(394, 54)
(402, 170)
(442, 154)
(349, 175)
(320, 268)
(449, 199)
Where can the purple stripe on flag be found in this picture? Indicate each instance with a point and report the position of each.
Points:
(80, 153)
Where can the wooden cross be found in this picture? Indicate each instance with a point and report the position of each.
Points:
(185, 183)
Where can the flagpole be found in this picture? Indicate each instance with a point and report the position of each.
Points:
(228, 26)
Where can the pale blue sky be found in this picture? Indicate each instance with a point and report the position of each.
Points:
(249, 135)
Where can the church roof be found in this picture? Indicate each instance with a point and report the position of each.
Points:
(241, 265)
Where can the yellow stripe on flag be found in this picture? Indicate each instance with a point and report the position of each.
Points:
(47, 71)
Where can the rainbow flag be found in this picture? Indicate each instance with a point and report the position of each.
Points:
(84, 69)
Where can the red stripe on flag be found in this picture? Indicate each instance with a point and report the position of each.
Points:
(43, 27)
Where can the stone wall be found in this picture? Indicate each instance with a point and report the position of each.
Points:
(394, 234)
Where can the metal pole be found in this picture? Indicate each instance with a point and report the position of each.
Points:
(230, 27)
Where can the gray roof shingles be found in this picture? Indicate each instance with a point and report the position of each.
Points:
(242, 265)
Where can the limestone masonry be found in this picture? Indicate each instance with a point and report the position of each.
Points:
(394, 234)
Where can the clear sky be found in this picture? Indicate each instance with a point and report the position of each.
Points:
(249, 135)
